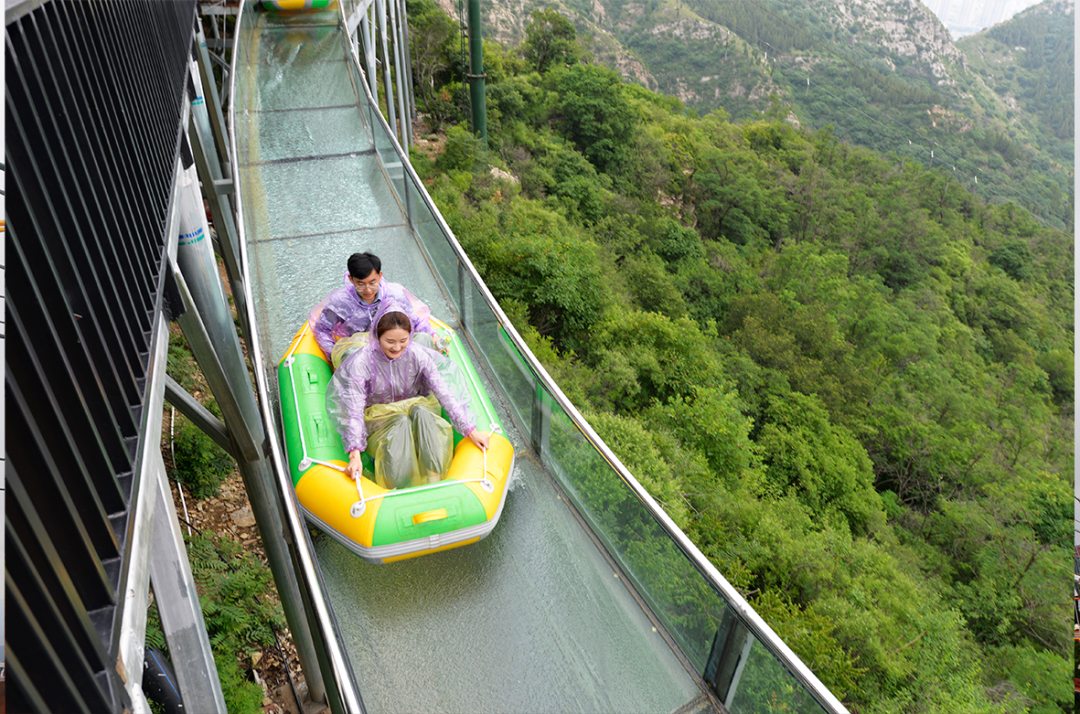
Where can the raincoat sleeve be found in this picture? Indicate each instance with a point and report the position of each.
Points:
(418, 312)
(322, 326)
(420, 318)
(346, 399)
(328, 315)
(460, 415)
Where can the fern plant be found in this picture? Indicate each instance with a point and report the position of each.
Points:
(198, 462)
(240, 611)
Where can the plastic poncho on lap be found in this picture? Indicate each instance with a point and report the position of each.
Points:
(343, 313)
(390, 408)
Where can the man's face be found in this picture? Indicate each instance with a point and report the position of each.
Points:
(367, 288)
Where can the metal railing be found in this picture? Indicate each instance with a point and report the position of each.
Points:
(341, 692)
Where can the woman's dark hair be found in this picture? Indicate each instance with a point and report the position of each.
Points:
(393, 321)
(362, 265)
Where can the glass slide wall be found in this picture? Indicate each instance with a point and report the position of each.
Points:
(536, 617)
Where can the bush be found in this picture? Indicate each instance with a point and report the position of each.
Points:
(1014, 258)
(236, 594)
(595, 114)
(463, 151)
(198, 462)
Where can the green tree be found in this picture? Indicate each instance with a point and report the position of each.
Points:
(641, 357)
(652, 287)
(739, 198)
(710, 422)
(595, 115)
(633, 444)
(804, 343)
(1014, 258)
(823, 465)
(550, 40)
(533, 255)
(431, 32)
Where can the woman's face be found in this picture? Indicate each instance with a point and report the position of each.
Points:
(394, 342)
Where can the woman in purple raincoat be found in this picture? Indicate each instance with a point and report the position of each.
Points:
(349, 309)
(380, 401)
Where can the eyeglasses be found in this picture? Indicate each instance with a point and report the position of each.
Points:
(366, 287)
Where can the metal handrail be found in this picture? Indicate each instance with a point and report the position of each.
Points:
(349, 699)
(754, 622)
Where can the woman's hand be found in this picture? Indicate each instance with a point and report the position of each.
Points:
(356, 465)
(479, 438)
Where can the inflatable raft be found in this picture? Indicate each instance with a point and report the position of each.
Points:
(384, 525)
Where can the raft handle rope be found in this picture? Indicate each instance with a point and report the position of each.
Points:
(357, 509)
(306, 462)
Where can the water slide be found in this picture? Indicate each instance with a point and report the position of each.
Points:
(580, 600)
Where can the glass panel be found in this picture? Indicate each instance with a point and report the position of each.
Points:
(384, 147)
(334, 194)
(766, 687)
(307, 70)
(297, 44)
(358, 81)
(246, 83)
(311, 132)
(245, 49)
(508, 367)
(688, 607)
(443, 259)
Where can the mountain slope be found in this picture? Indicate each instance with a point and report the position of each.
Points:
(881, 73)
(1028, 61)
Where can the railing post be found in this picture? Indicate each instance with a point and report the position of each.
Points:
(369, 51)
(408, 63)
(536, 430)
(216, 182)
(399, 68)
(462, 307)
(388, 84)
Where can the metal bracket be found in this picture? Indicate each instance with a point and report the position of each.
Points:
(199, 415)
(729, 651)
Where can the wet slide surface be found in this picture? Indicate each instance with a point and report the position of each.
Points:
(531, 619)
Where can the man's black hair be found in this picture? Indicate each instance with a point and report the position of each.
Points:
(362, 265)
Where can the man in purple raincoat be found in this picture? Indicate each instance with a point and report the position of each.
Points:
(349, 309)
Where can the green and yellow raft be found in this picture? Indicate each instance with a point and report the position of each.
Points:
(378, 524)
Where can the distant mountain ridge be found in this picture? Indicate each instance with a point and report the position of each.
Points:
(1029, 62)
(883, 73)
